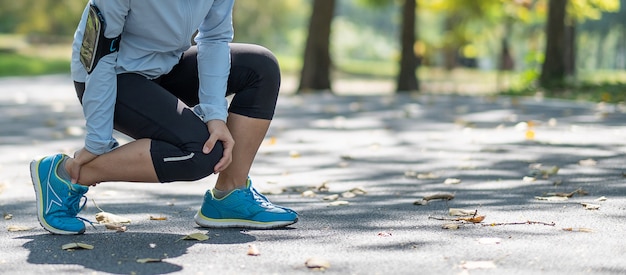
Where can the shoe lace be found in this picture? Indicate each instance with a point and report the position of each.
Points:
(257, 196)
(75, 204)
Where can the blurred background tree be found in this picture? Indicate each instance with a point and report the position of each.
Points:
(461, 46)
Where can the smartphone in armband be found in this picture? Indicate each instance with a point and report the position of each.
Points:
(95, 45)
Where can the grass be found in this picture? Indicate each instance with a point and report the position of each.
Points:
(12, 64)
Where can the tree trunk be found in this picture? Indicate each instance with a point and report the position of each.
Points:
(553, 69)
(407, 78)
(315, 74)
(570, 50)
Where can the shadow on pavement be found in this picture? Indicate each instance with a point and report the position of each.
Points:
(117, 253)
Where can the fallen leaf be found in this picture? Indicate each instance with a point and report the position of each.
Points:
(119, 227)
(8, 216)
(476, 219)
(331, 197)
(309, 194)
(339, 203)
(570, 194)
(478, 265)
(587, 162)
(358, 191)
(317, 263)
(528, 179)
(384, 234)
(462, 212)
(451, 226)
(439, 196)
(294, 154)
(449, 181)
(195, 236)
(106, 217)
(160, 218)
(15, 228)
(427, 176)
(324, 187)
(590, 206)
(603, 198)
(420, 202)
(149, 260)
(253, 250)
(348, 195)
(71, 246)
(552, 198)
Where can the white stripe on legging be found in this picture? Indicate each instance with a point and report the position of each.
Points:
(178, 158)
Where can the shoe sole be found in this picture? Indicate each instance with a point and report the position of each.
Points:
(34, 175)
(204, 221)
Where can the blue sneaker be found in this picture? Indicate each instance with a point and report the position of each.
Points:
(245, 208)
(58, 200)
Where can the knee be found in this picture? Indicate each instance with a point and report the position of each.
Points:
(262, 61)
(201, 165)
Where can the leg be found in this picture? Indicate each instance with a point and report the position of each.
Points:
(254, 80)
(168, 135)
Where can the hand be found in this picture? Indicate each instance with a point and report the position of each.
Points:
(219, 131)
(81, 157)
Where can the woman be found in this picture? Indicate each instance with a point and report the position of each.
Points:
(151, 84)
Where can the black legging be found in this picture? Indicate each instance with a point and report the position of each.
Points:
(158, 109)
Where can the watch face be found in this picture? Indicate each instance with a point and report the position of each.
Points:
(90, 40)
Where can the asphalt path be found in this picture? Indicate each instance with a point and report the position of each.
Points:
(356, 168)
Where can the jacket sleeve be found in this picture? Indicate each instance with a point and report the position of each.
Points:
(214, 35)
(101, 84)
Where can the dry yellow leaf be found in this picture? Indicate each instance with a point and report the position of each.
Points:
(15, 228)
(358, 191)
(451, 226)
(603, 198)
(294, 154)
(462, 212)
(253, 250)
(196, 236)
(348, 194)
(449, 181)
(339, 203)
(439, 196)
(317, 263)
(116, 226)
(70, 246)
(309, 194)
(476, 219)
(149, 260)
(530, 134)
(427, 176)
(331, 197)
(159, 218)
(552, 198)
(106, 217)
(590, 206)
(587, 162)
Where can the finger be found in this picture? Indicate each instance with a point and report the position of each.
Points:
(226, 158)
(209, 144)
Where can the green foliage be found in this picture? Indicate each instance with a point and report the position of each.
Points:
(20, 65)
(280, 25)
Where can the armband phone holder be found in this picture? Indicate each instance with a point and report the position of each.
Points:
(95, 45)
